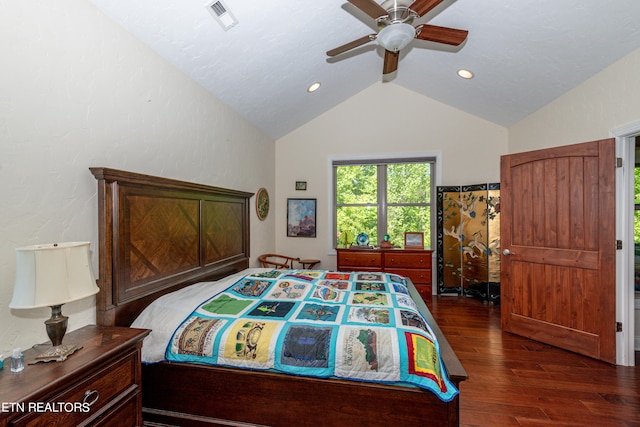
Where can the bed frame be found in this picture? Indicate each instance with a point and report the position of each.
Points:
(157, 235)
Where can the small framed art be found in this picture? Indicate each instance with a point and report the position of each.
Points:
(301, 185)
(301, 217)
(413, 240)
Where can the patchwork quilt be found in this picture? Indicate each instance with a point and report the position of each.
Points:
(360, 326)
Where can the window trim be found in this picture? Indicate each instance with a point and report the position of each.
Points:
(435, 157)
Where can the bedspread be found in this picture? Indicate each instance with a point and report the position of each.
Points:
(360, 326)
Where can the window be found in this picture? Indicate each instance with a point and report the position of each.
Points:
(636, 222)
(383, 197)
(636, 218)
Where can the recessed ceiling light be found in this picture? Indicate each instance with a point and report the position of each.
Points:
(314, 87)
(465, 74)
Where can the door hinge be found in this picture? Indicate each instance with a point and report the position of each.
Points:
(618, 162)
(619, 245)
(618, 326)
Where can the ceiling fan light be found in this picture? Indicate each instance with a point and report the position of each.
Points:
(396, 36)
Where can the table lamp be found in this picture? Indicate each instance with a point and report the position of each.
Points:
(52, 275)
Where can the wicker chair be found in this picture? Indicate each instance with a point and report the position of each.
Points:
(277, 261)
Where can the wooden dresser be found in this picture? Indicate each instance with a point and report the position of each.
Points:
(98, 385)
(412, 263)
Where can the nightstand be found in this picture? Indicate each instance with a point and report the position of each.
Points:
(98, 385)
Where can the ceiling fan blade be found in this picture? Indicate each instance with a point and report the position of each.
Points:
(370, 7)
(422, 7)
(444, 35)
(348, 46)
(390, 62)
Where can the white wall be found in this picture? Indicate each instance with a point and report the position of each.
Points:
(77, 91)
(383, 119)
(606, 101)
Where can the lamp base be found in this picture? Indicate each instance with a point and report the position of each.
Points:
(57, 353)
(56, 325)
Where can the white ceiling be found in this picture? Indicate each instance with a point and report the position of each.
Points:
(524, 53)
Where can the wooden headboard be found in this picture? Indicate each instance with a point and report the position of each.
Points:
(157, 235)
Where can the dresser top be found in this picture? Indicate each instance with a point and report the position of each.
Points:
(377, 249)
(99, 343)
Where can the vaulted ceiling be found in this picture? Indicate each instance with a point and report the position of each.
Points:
(523, 53)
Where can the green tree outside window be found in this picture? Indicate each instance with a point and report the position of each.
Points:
(383, 198)
(636, 213)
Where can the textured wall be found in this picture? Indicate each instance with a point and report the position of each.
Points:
(606, 101)
(78, 91)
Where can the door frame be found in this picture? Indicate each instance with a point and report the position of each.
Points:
(625, 297)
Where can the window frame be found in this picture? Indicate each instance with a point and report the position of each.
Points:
(381, 203)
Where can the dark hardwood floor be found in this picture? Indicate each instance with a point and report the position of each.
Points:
(514, 381)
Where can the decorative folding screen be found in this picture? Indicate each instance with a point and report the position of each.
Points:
(469, 241)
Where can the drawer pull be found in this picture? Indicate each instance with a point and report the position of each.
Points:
(91, 397)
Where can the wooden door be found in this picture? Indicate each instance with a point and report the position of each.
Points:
(558, 241)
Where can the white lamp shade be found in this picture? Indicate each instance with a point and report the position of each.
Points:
(52, 274)
(395, 37)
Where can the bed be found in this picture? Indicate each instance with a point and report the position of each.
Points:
(158, 236)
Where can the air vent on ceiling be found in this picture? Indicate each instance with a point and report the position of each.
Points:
(222, 14)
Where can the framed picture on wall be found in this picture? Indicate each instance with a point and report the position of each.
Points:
(301, 217)
(301, 185)
(413, 240)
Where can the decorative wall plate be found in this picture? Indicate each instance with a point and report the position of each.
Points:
(262, 204)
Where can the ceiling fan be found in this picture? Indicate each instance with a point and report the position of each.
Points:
(395, 32)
